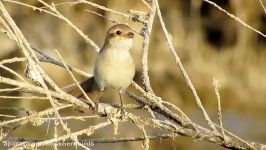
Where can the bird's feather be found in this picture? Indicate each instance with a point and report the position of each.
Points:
(89, 86)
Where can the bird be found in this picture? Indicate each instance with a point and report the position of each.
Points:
(114, 66)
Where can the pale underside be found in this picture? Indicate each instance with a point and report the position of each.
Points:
(114, 67)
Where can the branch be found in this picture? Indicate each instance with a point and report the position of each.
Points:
(235, 18)
(146, 30)
(262, 5)
(93, 141)
(182, 69)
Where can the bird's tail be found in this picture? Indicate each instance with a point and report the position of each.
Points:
(89, 86)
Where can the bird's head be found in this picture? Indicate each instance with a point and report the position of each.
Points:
(120, 36)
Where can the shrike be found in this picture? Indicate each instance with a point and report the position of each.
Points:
(114, 67)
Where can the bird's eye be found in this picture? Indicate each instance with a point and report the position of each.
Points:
(118, 32)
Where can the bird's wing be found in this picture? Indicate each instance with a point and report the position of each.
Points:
(89, 86)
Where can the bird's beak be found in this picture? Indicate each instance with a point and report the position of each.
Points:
(130, 34)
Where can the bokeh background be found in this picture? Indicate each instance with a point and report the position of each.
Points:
(209, 43)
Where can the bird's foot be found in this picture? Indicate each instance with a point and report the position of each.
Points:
(123, 113)
(96, 108)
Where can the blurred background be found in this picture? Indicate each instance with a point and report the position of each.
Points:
(209, 43)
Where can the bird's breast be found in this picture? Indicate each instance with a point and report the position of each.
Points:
(114, 69)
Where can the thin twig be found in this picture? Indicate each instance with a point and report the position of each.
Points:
(82, 118)
(75, 80)
(107, 18)
(12, 72)
(129, 17)
(48, 59)
(24, 97)
(216, 88)
(262, 5)
(8, 116)
(12, 60)
(100, 140)
(10, 89)
(182, 69)
(146, 4)
(235, 18)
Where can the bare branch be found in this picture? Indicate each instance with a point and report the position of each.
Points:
(262, 5)
(216, 88)
(182, 69)
(145, 47)
(100, 140)
(235, 18)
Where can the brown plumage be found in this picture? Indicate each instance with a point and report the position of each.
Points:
(88, 85)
